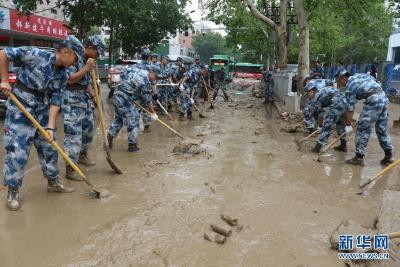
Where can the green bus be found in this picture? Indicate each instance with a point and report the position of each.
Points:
(222, 61)
(247, 70)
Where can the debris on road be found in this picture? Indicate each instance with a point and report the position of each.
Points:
(228, 219)
(221, 230)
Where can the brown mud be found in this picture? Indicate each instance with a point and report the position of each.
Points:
(287, 204)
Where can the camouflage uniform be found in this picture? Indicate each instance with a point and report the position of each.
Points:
(334, 116)
(177, 76)
(135, 86)
(308, 111)
(189, 86)
(374, 113)
(36, 78)
(269, 82)
(163, 91)
(144, 65)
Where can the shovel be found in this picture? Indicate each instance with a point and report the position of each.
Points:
(102, 126)
(329, 146)
(197, 108)
(158, 120)
(208, 95)
(379, 175)
(97, 193)
(166, 112)
(306, 138)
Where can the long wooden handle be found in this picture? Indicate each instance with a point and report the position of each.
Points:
(168, 84)
(330, 145)
(44, 133)
(158, 120)
(308, 137)
(376, 177)
(205, 87)
(394, 235)
(166, 112)
(99, 107)
(194, 105)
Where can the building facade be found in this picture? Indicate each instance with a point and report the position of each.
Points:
(46, 27)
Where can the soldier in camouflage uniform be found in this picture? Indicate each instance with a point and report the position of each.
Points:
(373, 115)
(40, 79)
(311, 89)
(77, 100)
(136, 86)
(176, 70)
(335, 116)
(164, 78)
(187, 88)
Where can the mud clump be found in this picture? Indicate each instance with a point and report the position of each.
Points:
(191, 147)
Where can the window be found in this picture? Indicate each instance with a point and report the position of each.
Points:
(53, 11)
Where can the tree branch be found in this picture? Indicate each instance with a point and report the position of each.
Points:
(259, 15)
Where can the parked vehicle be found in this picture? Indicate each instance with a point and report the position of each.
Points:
(247, 70)
(218, 62)
(114, 72)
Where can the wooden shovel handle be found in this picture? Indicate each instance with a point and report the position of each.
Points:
(45, 135)
(99, 107)
(376, 177)
(158, 120)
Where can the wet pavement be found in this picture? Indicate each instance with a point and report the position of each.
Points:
(287, 204)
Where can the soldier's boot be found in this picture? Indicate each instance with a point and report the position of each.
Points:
(85, 160)
(190, 116)
(70, 174)
(357, 160)
(214, 96)
(13, 199)
(110, 141)
(317, 148)
(133, 147)
(146, 129)
(181, 116)
(226, 97)
(342, 147)
(55, 186)
(388, 159)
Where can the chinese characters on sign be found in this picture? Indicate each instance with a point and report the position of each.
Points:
(37, 25)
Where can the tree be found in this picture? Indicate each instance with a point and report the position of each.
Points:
(132, 23)
(209, 44)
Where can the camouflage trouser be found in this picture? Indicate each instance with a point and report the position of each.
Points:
(269, 93)
(173, 93)
(335, 116)
(146, 117)
(125, 113)
(374, 114)
(78, 123)
(220, 85)
(186, 105)
(163, 94)
(20, 134)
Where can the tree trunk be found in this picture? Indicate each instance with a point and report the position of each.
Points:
(110, 45)
(81, 20)
(281, 37)
(304, 43)
(280, 30)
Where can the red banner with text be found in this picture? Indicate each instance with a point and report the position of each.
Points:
(37, 25)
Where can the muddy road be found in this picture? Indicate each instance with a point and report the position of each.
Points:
(287, 204)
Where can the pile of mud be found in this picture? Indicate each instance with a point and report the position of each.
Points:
(190, 147)
(258, 90)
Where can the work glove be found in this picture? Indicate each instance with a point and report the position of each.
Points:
(182, 88)
(348, 129)
(191, 101)
(154, 116)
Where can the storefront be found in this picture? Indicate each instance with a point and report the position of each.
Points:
(34, 30)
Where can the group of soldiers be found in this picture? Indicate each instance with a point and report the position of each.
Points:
(332, 107)
(52, 82)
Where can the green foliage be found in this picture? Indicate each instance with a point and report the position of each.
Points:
(135, 23)
(210, 44)
(345, 31)
(249, 38)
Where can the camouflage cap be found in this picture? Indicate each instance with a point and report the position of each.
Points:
(98, 42)
(341, 72)
(72, 42)
(196, 57)
(179, 59)
(155, 55)
(165, 57)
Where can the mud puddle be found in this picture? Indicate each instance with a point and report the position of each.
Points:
(161, 206)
